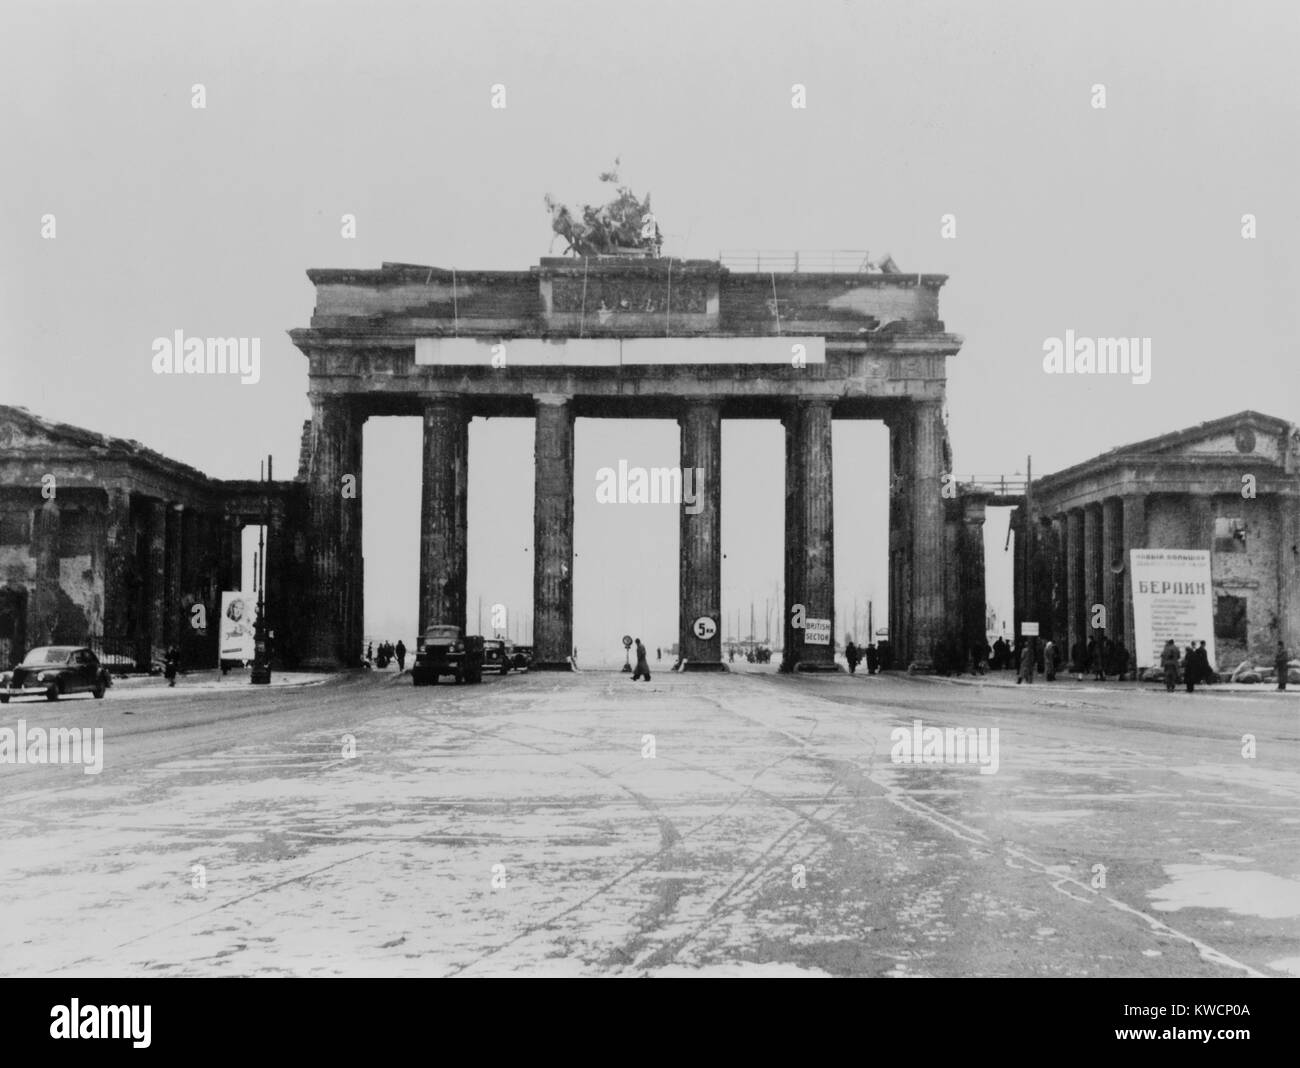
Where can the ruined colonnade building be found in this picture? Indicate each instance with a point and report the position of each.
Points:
(1230, 487)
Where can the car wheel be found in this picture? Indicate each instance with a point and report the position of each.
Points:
(4, 698)
(98, 691)
(505, 669)
(54, 692)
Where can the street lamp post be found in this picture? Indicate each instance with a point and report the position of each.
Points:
(261, 643)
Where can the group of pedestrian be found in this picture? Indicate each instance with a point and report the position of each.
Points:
(388, 652)
(1195, 664)
(856, 654)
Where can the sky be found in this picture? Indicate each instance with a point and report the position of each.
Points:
(1117, 221)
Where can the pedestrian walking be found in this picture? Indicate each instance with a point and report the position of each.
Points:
(1028, 655)
(642, 668)
(400, 650)
(1169, 664)
(1203, 669)
(1190, 671)
(370, 654)
(1049, 661)
(171, 664)
(873, 659)
(852, 655)
(1282, 663)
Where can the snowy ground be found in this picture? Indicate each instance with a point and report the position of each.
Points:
(738, 824)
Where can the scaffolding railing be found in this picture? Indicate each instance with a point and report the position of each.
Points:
(1001, 485)
(832, 261)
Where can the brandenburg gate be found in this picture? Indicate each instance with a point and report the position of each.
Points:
(643, 338)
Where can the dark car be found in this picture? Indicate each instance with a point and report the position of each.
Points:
(445, 652)
(521, 656)
(495, 656)
(53, 671)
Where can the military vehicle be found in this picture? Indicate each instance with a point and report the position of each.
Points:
(443, 651)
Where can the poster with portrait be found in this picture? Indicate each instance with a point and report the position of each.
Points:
(238, 615)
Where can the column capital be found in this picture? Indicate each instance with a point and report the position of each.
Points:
(553, 399)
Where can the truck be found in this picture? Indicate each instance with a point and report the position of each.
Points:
(445, 651)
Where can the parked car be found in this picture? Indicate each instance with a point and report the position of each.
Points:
(521, 656)
(53, 671)
(444, 652)
(494, 656)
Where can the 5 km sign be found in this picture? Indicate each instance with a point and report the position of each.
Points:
(705, 628)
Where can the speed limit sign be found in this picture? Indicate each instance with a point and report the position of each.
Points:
(705, 628)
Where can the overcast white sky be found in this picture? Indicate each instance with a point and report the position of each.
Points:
(1117, 222)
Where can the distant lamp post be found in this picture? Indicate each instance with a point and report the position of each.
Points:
(261, 639)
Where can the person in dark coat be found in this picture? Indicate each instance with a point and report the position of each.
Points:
(1281, 662)
(1191, 668)
(873, 660)
(642, 668)
(171, 664)
(1028, 657)
(1049, 661)
(1121, 658)
(852, 655)
(1203, 669)
(400, 650)
(1169, 664)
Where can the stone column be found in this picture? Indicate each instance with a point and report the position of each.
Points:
(1060, 606)
(352, 558)
(119, 545)
(1134, 534)
(900, 538)
(1091, 565)
(44, 612)
(814, 550)
(792, 636)
(700, 572)
(1112, 551)
(973, 593)
(1288, 568)
(927, 532)
(329, 557)
(230, 560)
(553, 534)
(1075, 615)
(155, 581)
(173, 551)
(442, 519)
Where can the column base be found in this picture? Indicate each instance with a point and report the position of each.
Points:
(921, 667)
(324, 663)
(551, 665)
(818, 666)
(705, 665)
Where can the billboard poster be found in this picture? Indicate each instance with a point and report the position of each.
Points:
(238, 614)
(1173, 597)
